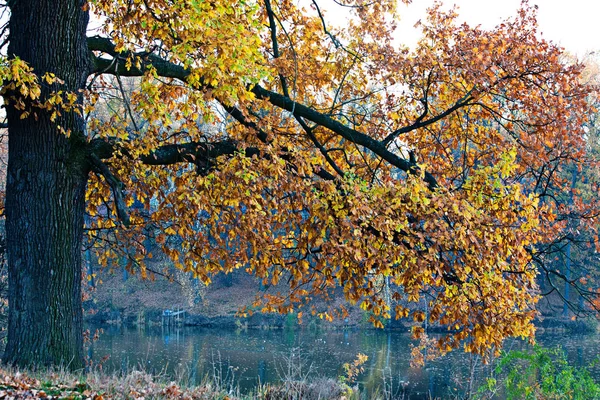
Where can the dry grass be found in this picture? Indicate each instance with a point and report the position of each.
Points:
(60, 384)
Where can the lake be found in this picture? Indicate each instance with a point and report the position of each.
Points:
(246, 357)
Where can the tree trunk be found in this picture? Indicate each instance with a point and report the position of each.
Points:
(45, 192)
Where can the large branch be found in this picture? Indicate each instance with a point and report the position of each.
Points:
(203, 154)
(117, 65)
(168, 69)
(344, 131)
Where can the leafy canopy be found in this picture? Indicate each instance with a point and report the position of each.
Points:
(328, 159)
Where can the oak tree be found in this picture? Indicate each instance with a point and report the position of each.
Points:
(325, 159)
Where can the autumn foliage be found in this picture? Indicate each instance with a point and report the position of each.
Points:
(326, 159)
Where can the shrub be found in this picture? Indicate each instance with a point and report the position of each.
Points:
(541, 374)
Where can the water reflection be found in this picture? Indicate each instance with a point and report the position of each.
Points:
(245, 358)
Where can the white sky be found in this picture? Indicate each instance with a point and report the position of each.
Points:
(574, 24)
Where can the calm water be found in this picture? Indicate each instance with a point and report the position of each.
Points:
(245, 358)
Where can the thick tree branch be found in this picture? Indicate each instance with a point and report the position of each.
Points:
(167, 69)
(203, 154)
(101, 65)
(346, 132)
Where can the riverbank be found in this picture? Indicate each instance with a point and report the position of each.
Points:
(96, 385)
(123, 299)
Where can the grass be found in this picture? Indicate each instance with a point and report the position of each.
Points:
(96, 385)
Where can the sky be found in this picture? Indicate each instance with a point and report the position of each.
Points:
(573, 24)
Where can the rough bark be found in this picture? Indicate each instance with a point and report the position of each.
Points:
(47, 175)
